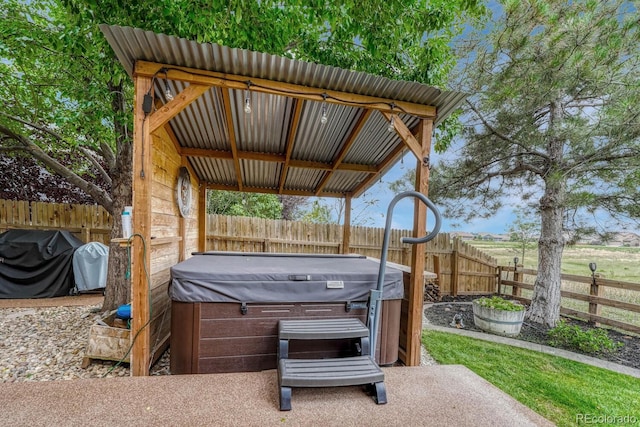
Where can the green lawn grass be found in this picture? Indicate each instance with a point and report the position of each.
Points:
(556, 388)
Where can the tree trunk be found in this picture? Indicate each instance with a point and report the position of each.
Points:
(545, 303)
(118, 289)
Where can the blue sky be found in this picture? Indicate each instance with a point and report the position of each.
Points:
(403, 213)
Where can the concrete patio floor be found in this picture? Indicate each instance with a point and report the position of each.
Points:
(427, 395)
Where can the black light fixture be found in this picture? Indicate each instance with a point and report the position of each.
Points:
(592, 267)
(515, 261)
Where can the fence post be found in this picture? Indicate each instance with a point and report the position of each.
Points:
(595, 291)
(516, 291)
(499, 280)
(454, 273)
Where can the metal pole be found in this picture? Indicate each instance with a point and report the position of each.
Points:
(376, 297)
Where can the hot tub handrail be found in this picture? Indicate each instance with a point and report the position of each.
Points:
(376, 296)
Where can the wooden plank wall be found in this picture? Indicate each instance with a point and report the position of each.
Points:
(166, 235)
(89, 223)
(476, 270)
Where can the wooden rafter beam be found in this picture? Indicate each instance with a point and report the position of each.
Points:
(297, 112)
(345, 149)
(172, 108)
(405, 134)
(211, 186)
(277, 158)
(230, 81)
(226, 99)
(351, 167)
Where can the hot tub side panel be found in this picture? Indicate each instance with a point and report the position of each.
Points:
(217, 337)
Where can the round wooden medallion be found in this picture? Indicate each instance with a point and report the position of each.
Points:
(183, 192)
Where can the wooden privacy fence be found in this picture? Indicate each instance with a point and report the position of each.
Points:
(592, 298)
(90, 223)
(461, 268)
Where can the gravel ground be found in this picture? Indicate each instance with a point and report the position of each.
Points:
(48, 343)
(442, 314)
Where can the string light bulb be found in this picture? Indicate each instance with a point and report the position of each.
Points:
(323, 116)
(168, 94)
(391, 126)
(247, 99)
(247, 104)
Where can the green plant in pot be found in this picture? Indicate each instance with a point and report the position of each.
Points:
(498, 315)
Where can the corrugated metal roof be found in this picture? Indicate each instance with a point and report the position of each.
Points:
(262, 138)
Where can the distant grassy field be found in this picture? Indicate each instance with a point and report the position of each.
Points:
(613, 263)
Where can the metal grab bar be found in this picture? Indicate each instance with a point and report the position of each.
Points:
(376, 295)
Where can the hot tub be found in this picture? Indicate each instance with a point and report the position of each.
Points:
(225, 307)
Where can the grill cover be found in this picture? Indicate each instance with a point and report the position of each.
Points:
(266, 277)
(90, 265)
(36, 263)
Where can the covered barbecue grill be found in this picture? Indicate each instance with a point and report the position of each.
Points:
(36, 263)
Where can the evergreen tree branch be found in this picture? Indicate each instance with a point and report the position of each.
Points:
(502, 135)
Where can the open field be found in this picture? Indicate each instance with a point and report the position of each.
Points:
(614, 263)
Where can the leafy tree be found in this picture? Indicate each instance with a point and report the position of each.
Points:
(331, 211)
(244, 204)
(553, 115)
(66, 96)
(320, 213)
(65, 105)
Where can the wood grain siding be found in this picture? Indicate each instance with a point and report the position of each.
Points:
(171, 239)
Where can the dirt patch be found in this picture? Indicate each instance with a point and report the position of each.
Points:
(442, 314)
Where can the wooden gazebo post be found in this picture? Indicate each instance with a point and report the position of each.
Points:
(141, 250)
(346, 227)
(202, 218)
(416, 290)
